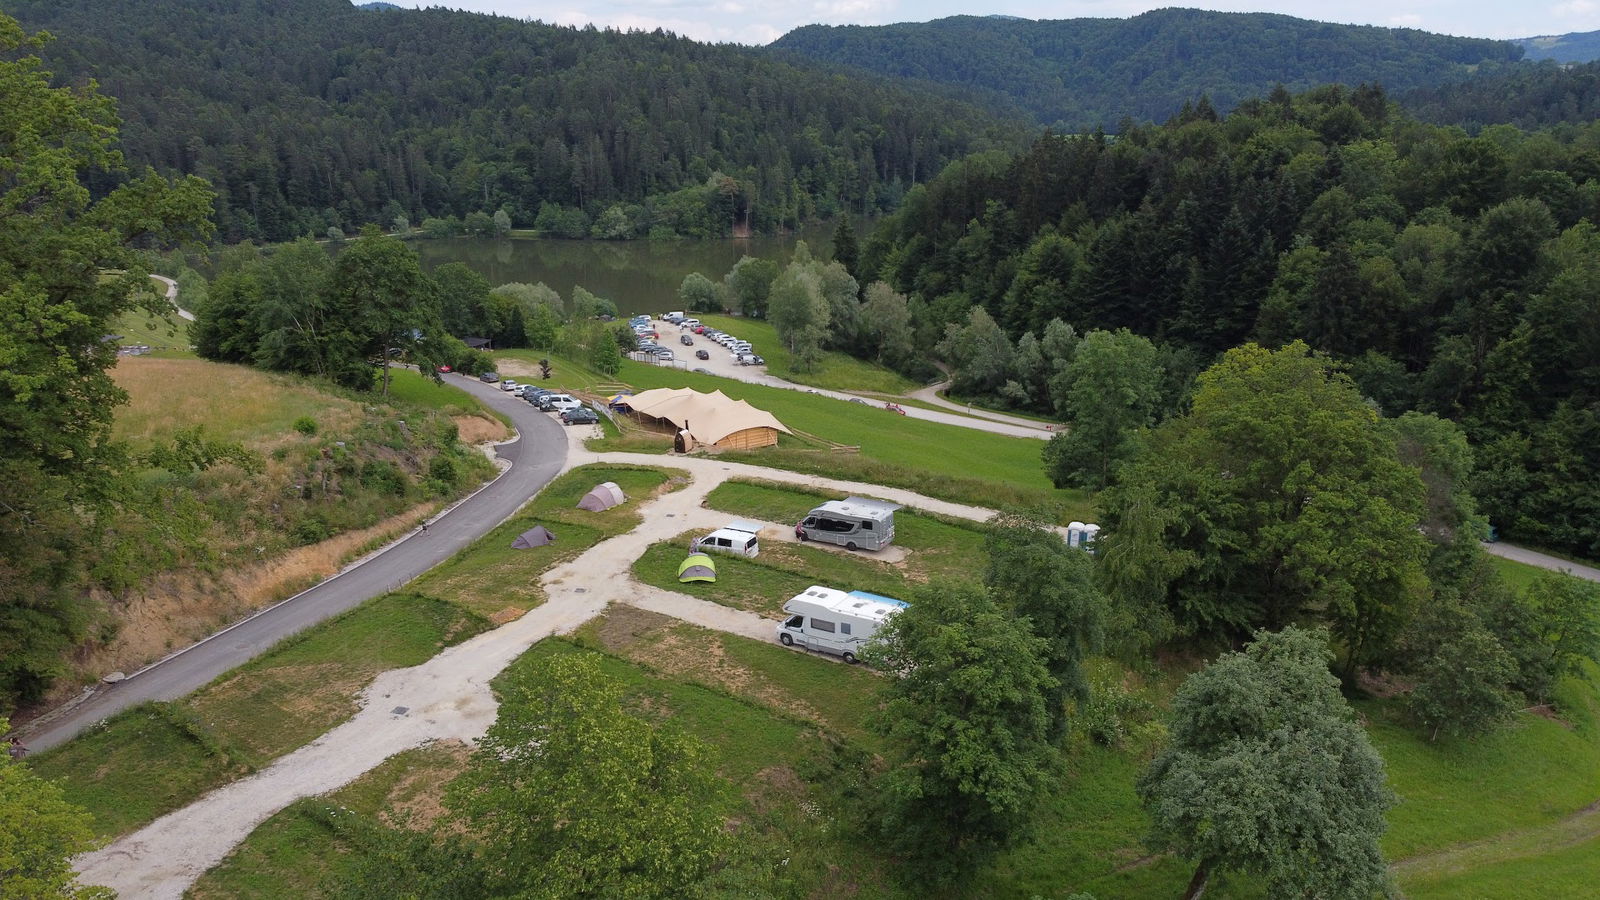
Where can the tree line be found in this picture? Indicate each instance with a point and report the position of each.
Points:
(308, 115)
(1449, 274)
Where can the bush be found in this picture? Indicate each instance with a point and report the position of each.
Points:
(306, 425)
(443, 470)
(384, 477)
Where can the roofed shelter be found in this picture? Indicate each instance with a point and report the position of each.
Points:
(715, 418)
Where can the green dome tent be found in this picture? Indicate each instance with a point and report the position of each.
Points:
(697, 567)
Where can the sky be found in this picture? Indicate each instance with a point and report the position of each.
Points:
(762, 21)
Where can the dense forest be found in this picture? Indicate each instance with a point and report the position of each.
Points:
(307, 115)
(1581, 46)
(1080, 74)
(1451, 274)
(1527, 96)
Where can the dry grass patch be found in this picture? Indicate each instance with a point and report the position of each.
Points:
(480, 429)
(234, 403)
(178, 608)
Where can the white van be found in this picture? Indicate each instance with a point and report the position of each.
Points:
(560, 403)
(737, 538)
(831, 621)
(688, 323)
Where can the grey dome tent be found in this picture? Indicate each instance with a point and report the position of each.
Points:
(604, 496)
(537, 536)
(697, 567)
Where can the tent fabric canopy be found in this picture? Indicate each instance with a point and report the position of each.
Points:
(537, 536)
(697, 567)
(709, 418)
(604, 496)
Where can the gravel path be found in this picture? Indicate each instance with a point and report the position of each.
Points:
(448, 697)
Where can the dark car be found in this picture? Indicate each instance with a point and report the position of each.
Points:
(583, 415)
(532, 394)
(686, 340)
(489, 377)
(701, 354)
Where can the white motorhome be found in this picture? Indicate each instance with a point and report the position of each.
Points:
(830, 621)
(855, 523)
(737, 538)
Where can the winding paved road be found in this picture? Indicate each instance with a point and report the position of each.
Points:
(535, 457)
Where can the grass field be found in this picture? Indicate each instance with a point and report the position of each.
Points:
(157, 757)
(836, 372)
(494, 580)
(165, 335)
(412, 388)
(946, 461)
(234, 403)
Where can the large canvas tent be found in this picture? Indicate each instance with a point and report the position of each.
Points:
(714, 418)
(603, 496)
(697, 567)
(537, 536)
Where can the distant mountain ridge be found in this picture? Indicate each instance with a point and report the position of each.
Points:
(1082, 73)
(1575, 47)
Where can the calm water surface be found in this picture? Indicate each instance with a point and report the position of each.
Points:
(639, 276)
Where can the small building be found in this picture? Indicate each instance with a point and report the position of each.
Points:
(478, 343)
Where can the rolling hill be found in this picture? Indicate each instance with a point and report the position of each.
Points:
(1078, 74)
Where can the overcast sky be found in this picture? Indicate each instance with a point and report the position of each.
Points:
(761, 21)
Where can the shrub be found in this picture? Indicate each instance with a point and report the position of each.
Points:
(306, 425)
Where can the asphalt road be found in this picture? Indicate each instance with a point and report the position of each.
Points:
(537, 455)
(1542, 560)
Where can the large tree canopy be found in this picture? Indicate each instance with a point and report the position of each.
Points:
(1268, 773)
(1278, 499)
(68, 267)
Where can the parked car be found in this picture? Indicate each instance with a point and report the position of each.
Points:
(860, 401)
(701, 371)
(697, 328)
(663, 353)
(509, 384)
(519, 390)
(559, 402)
(489, 377)
(582, 415)
(686, 340)
(702, 354)
(445, 370)
(748, 359)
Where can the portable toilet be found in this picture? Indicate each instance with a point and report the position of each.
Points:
(1090, 533)
(1074, 534)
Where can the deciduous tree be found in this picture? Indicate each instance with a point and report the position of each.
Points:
(1267, 773)
(967, 721)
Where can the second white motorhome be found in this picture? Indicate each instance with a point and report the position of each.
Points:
(831, 621)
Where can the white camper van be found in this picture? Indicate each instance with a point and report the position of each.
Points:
(854, 523)
(738, 538)
(831, 621)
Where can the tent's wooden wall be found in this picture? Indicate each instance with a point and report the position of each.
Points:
(749, 439)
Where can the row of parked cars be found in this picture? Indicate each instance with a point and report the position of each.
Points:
(743, 352)
(571, 409)
(645, 334)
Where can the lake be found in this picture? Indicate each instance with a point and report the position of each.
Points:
(639, 276)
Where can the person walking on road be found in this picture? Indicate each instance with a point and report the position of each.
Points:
(424, 526)
(16, 750)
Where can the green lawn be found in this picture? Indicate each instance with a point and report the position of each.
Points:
(411, 387)
(946, 461)
(937, 547)
(167, 335)
(494, 580)
(1517, 575)
(836, 372)
(155, 758)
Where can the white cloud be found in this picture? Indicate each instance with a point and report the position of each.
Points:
(1574, 8)
(1406, 20)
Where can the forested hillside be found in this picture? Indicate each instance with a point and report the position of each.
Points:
(1579, 46)
(1527, 96)
(1080, 74)
(306, 114)
(1452, 274)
